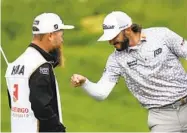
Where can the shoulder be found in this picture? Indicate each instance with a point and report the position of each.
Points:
(156, 33)
(31, 58)
(41, 77)
(112, 59)
(156, 30)
(112, 56)
(43, 70)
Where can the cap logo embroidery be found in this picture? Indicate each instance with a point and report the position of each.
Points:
(56, 26)
(36, 22)
(105, 27)
(123, 26)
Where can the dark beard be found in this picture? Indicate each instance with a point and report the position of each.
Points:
(124, 45)
(56, 54)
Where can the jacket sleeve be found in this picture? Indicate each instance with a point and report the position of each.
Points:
(40, 97)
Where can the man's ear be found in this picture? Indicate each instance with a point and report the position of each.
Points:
(128, 31)
(50, 36)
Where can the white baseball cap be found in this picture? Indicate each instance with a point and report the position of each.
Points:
(113, 24)
(47, 23)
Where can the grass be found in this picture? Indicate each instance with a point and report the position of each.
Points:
(121, 112)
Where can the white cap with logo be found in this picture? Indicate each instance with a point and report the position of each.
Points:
(47, 23)
(113, 24)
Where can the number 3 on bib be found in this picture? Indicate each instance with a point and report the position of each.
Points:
(15, 93)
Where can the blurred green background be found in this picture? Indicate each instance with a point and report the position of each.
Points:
(84, 55)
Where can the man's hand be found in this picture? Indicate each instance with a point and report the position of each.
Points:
(77, 80)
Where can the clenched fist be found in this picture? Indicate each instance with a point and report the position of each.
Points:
(77, 80)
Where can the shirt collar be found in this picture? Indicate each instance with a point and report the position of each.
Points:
(142, 39)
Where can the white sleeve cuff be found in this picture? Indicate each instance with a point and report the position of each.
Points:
(85, 83)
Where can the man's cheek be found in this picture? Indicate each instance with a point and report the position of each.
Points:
(118, 45)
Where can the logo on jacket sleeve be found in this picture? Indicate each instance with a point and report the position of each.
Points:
(44, 70)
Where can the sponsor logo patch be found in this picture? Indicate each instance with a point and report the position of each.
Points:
(132, 63)
(157, 52)
(44, 70)
(19, 112)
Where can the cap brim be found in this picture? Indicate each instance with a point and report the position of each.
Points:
(108, 35)
(67, 27)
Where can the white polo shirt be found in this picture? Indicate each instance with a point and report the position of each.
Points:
(152, 70)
